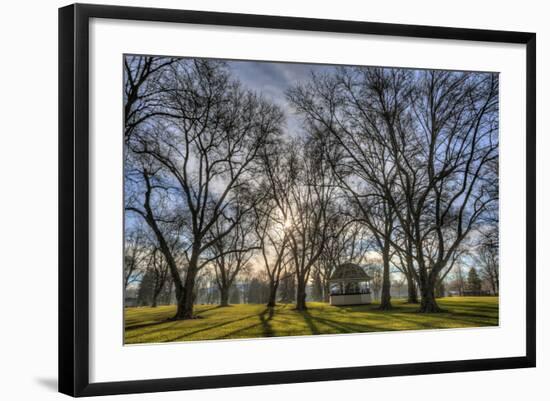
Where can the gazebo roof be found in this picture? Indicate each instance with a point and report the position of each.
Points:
(349, 272)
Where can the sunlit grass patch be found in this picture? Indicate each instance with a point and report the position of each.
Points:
(151, 325)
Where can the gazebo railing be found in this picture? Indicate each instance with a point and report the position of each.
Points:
(359, 292)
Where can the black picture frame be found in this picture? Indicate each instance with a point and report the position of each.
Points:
(74, 198)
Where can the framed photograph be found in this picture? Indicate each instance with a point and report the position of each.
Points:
(250, 199)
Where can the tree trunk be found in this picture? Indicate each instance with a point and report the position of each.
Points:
(185, 303)
(189, 298)
(412, 296)
(224, 296)
(272, 300)
(301, 296)
(156, 292)
(412, 290)
(385, 297)
(180, 299)
(428, 303)
(326, 292)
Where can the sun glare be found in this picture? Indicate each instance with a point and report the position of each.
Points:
(287, 224)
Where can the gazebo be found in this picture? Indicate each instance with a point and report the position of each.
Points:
(349, 285)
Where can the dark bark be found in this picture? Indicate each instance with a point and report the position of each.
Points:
(156, 292)
(224, 126)
(149, 218)
(385, 297)
(160, 273)
(180, 298)
(433, 180)
(189, 298)
(326, 292)
(301, 301)
(428, 303)
(301, 296)
(412, 288)
(185, 303)
(224, 296)
(412, 295)
(272, 299)
(139, 106)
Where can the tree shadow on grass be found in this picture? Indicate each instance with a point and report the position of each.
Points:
(201, 311)
(266, 325)
(309, 321)
(338, 326)
(233, 334)
(147, 332)
(473, 308)
(146, 325)
(417, 324)
(216, 326)
(154, 319)
(441, 321)
(164, 321)
(474, 315)
(267, 330)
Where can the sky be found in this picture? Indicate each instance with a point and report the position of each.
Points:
(272, 79)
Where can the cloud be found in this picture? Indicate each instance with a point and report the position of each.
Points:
(273, 79)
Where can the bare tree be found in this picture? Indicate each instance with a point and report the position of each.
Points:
(158, 269)
(206, 288)
(205, 146)
(404, 262)
(419, 141)
(273, 215)
(142, 86)
(375, 271)
(231, 252)
(134, 254)
(454, 141)
(485, 256)
(362, 165)
(398, 284)
(148, 196)
(347, 241)
(312, 211)
(273, 239)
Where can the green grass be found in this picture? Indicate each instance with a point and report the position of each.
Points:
(150, 325)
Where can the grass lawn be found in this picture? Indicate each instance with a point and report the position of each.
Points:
(150, 325)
